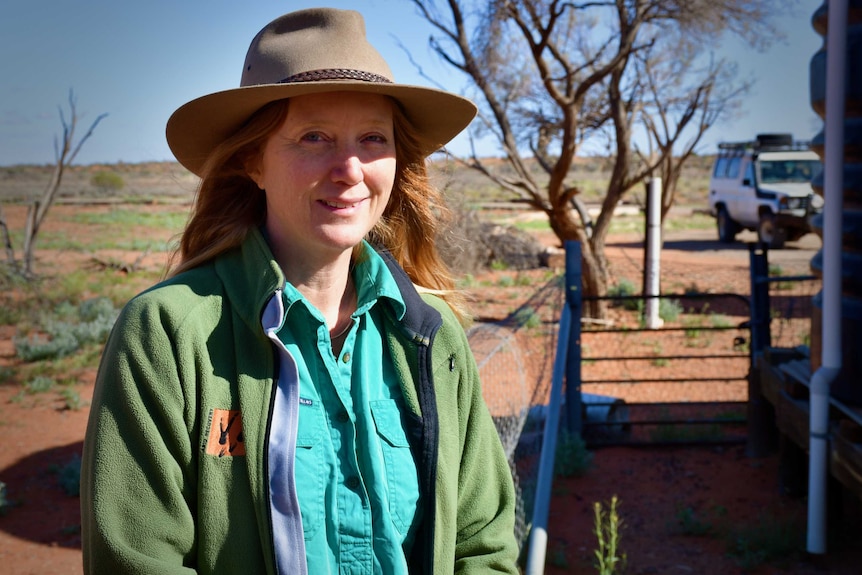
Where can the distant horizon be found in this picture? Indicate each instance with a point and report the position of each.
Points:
(174, 161)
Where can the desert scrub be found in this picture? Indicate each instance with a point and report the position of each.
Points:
(69, 476)
(770, 540)
(39, 384)
(572, 459)
(5, 504)
(72, 399)
(669, 309)
(527, 317)
(106, 181)
(505, 281)
(95, 319)
(689, 522)
(6, 374)
(625, 291)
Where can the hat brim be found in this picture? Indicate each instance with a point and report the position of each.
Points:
(197, 127)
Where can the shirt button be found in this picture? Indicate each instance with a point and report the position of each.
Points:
(346, 357)
(352, 482)
(343, 417)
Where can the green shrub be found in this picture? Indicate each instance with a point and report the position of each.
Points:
(37, 348)
(72, 399)
(669, 309)
(527, 317)
(4, 503)
(69, 476)
(39, 384)
(624, 289)
(107, 182)
(689, 523)
(96, 317)
(523, 280)
(6, 374)
(770, 540)
(572, 459)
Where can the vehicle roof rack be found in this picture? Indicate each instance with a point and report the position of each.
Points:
(767, 143)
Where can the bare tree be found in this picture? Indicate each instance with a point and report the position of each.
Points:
(552, 74)
(681, 103)
(65, 151)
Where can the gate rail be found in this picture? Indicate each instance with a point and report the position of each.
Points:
(612, 418)
(604, 407)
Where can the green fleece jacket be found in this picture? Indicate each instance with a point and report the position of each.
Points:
(175, 471)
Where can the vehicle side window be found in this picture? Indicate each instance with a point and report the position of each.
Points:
(720, 168)
(733, 167)
(748, 179)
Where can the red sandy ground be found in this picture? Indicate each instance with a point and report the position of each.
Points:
(720, 486)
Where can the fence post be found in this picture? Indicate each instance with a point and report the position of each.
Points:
(568, 362)
(762, 430)
(652, 269)
(574, 295)
(759, 266)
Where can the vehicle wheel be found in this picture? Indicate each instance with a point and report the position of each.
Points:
(727, 228)
(769, 233)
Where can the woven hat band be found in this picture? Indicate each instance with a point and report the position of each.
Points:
(336, 74)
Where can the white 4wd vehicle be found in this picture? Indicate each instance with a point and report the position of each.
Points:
(765, 185)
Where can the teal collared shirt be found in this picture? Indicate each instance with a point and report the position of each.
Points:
(356, 479)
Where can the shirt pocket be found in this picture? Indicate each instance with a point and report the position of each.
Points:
(309, 469)
(402, 477)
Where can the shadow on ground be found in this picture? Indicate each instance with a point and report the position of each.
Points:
(39, 506)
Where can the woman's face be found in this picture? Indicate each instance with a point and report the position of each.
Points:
(327, 173)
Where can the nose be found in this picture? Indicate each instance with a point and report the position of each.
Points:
(347, 167)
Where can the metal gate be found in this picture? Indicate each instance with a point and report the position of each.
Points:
(691, 380)
(683, 382)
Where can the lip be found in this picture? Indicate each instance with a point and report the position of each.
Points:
(342, 204)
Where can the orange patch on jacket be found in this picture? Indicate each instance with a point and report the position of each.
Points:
(225, 436)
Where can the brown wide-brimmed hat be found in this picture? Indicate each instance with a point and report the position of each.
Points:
(307, 52)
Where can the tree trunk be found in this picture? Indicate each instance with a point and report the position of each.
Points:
(31, 229)
(7, 240)
(594, 267)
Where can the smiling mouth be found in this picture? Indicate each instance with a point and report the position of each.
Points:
(340, 205)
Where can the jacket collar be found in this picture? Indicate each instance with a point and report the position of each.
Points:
(420, 320)
(251, 276)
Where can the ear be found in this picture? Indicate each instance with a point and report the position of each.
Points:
(254, 170)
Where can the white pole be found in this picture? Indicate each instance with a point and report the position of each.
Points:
(653, 257)
(833, 191)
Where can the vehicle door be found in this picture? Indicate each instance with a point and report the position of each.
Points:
(747, 205)
(719, 187)
(731, 190)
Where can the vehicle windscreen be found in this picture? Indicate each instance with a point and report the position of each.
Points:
(788, 171)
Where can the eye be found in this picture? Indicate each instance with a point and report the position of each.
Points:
(312, 137)
(375, 138)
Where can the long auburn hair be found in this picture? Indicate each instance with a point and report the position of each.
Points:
(228, 204)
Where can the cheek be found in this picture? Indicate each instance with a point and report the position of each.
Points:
(385, 176)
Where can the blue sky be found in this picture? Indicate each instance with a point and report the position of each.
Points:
(139, 61)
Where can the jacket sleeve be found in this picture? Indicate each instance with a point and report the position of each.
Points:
(475, 488)
(486, 495)
(137, 499)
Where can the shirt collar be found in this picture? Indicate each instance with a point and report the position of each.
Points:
(374, 282)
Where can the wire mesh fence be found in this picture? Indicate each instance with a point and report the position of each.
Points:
(514, 358)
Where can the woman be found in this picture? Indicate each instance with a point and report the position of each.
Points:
(287, 401)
